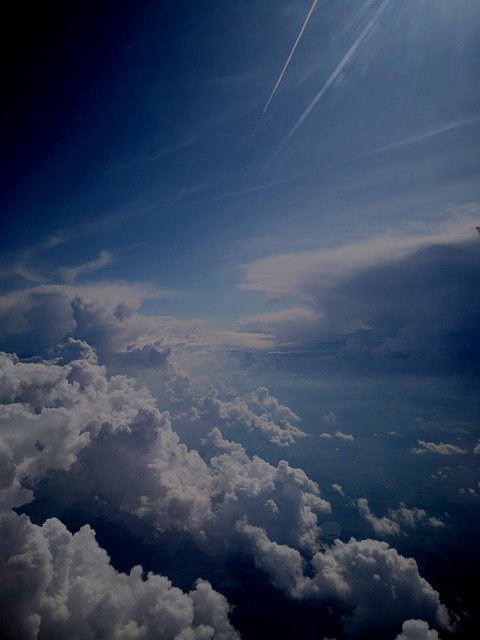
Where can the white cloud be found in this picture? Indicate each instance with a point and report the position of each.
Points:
(397, 520)
(65, 585)
(417, 630)
(338, 489)
(346, 437)
(53, 415)
(288, 274)
(441, 449)
(382, 526)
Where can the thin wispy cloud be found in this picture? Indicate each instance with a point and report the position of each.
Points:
(162, 153)
(450, 126)
(285, 67)
(335, 73)
(70, 274)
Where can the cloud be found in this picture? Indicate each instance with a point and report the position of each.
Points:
(338, 489)
(63, 585)
(119, 447)
(107, 315)
(382, 526)
(397, 520)
(379, 587)
(350, 54)
(389, 304)
(449, 126)
(345, 437)
(271, 419)
(441, 449)
(285, 66)
(71, 273)
(330, 417)
(417, 630)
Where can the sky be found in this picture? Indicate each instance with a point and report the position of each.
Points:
(239, 314)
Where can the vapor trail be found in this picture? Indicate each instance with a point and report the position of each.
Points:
(336, 72)
(424, 136)
(282, 73)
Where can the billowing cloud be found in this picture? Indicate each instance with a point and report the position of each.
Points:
(380, 587)
(58, 585)
(417, 630)
(127, 454)
(106, 315)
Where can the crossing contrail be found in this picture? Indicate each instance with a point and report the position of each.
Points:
(335, 73)
(285, 66)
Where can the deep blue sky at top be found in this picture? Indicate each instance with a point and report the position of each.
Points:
(128, 126)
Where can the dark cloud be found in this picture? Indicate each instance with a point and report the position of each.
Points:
(415, 313)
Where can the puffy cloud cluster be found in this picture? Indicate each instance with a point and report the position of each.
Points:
(260, 412)
(58, 585)
(51, 412)
(193, 410)
(112, 447)
(397, 519)
(379, 587)
(67, 414)
(281, 499)
(130, 457)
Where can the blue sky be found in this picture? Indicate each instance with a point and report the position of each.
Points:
(239, 265)
(145, 151)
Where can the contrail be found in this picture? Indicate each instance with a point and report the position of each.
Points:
(424, 136)
(282, 73)
(336, 72)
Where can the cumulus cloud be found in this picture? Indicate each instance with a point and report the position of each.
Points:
(359, 574)
(441, 448)
(66, 421)
(339, 435)
(106, 315)
(259, 411)
(397, 519)
(346, 437)
(119, 452)
(338, 489)
(417, 630)
(127, 453)
(55, 584)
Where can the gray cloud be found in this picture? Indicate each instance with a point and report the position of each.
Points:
(380, 587)
(389, 306)
(55, 584)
